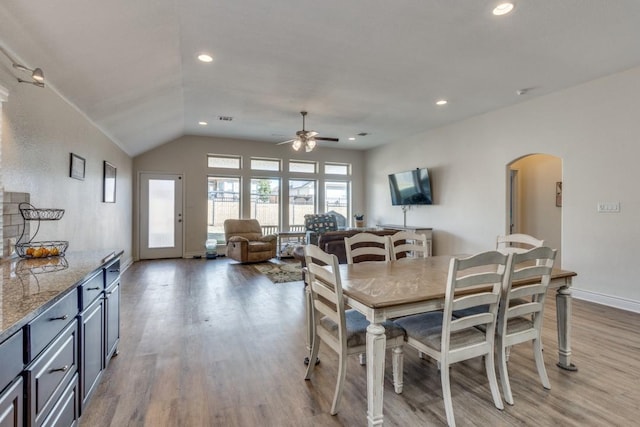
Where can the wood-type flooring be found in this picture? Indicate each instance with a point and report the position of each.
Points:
(214, 343)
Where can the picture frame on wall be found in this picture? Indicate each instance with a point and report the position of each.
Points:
(109, 183)
(77, 167)
(559, 194)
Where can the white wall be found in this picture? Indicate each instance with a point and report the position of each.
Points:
(188, 156)
(39, 130)
(593, 128)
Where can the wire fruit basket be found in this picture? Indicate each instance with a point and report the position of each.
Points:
(43, 249)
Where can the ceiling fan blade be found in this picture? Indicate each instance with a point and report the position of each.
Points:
(285, 142)
(319, 138)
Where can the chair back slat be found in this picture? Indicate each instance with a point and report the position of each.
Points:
(471, 321)
(367, 244)
(474, 300)
(517, 243)
(523, 309)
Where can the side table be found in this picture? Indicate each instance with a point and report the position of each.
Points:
(288, 240)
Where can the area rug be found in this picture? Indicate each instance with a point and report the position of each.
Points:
(281, 271)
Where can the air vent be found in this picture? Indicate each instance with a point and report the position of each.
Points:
(225, 118)
(363, 134)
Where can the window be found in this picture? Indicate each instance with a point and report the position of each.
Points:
(302, 166)
(265, 202)
(265, 165)
(336, 197)
(302, 200)
(337, 169)
(224, 203)
(224, 162)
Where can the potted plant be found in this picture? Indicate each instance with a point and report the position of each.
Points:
(359, 217)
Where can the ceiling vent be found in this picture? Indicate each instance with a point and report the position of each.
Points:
(363, 134)
(225, 118)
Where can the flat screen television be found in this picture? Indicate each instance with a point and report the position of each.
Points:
(410, 188)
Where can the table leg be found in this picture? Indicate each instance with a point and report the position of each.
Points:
(563, 312)
(376, 345)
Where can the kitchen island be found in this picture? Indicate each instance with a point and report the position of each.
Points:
(59, 327)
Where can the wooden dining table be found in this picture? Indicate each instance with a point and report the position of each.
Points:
(386, 290)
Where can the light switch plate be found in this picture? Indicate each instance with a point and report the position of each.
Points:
(609, 207)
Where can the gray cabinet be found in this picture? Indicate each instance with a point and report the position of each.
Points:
(11, 382)
(11, 410)
(112, 321)
(91, 348)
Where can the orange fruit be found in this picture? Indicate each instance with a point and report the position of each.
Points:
(37, 253)
(30, 251)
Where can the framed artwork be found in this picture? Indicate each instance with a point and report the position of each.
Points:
(76, 167)
(559, 194)
(109, 183)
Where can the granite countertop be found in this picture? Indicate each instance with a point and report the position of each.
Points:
(29, 286)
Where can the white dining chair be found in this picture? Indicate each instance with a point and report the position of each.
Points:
(449, 340)
(407, 244)
(344, 331)
(522, 310)
(367, 246)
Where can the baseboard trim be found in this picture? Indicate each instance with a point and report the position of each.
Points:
(608, 300)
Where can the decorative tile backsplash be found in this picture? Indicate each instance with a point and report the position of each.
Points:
(12, 221)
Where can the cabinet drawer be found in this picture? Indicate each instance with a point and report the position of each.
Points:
(49, 374)
(90, 290)
(11, 359)
(111, 273)
(43, 329)
(65, 413)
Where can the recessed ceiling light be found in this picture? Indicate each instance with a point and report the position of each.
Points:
(503, 9)
(351, 138)
(441, 102)
(201, 123)
(205, 57)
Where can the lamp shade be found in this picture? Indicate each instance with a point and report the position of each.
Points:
(38, 75)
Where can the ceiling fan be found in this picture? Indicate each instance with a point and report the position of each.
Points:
(306, 138)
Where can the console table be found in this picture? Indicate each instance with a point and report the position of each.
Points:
(427, 231)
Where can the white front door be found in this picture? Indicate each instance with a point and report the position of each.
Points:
(160, 216)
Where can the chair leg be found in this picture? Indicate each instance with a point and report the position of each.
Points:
(504, 373)
(446, 395)
(493, 381)
(342, 370)
(313, 356)
(537, 353)
(398, 366)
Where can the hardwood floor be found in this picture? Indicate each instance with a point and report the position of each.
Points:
(213, 343)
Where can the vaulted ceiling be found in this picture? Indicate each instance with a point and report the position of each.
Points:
(371, 66)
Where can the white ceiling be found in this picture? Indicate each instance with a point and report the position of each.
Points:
(374, 66)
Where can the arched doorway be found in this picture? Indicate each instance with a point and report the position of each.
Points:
(532, 205)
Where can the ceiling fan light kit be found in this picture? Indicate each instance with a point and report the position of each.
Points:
(306, 138)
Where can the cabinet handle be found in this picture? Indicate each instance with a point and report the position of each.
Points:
(93, 289)
(109, 293)
(114, 271)
(65, 368)
(65, 317)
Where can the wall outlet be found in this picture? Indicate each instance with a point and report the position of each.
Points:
(609, 207)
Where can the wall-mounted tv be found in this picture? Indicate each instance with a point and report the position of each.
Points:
(410, 188)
